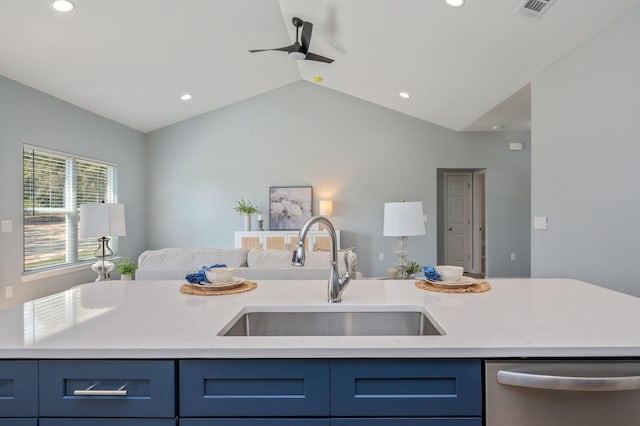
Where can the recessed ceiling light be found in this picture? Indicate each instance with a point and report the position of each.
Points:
(455, 3)
(496, 127)
(405, 95)
(186, 97)
(63, 5)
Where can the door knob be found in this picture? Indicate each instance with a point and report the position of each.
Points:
(450, 229)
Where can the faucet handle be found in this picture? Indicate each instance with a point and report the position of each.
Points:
(346, 263)
(298, 257)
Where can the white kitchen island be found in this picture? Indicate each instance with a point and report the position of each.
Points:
(126, 353)
(152, 319)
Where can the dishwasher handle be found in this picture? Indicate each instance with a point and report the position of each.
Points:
(567, 383)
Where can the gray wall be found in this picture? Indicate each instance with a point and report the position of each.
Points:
(31, 117)
(585, 122)
(354, 152)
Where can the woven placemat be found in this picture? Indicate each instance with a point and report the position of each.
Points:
(479, 287)
(201, 290)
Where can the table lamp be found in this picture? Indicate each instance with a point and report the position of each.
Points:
(325, 208)
(402, 220)
(102, 220)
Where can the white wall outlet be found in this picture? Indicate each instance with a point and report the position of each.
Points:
(6, 225)
(513, 257)
(426, 218)
(8, 292)
(381, 257)
(540, 222)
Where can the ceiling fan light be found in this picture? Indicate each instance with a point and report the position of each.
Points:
(455, 3)
(297, 55)
(63, 5)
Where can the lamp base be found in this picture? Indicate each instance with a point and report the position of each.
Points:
(103, 268)
(402, 253)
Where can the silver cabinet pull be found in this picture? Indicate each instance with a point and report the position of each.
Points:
(90, 391)
(566, 383)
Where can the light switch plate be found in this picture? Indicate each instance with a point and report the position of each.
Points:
(6, 225)
(540, 222)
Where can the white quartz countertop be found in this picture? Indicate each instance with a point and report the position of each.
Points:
(152, 319)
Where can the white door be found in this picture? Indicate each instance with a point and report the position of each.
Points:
(458, 231)
(479, 232)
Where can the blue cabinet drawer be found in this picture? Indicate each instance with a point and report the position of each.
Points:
(107, 422)
(406, 387)
(18, 422)
(138, 388)
(254, 388)
(254, 422)
(18, 389)
(408, 421)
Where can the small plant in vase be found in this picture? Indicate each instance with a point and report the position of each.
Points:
(246, 208)
(413, 268)
(127, 268)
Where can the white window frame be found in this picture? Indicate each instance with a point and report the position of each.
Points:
(71, 212)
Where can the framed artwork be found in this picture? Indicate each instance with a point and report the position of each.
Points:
(289, 207)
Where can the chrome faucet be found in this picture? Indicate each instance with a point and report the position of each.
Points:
(336, 283)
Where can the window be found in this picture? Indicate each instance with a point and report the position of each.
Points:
(54, 186)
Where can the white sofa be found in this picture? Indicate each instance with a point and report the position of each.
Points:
(255, 264)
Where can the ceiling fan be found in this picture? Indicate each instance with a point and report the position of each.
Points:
(297, 50)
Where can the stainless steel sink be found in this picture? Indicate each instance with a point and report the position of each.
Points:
(361, 322)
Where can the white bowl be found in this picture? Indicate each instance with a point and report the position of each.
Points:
(449, 272)
(220, 275)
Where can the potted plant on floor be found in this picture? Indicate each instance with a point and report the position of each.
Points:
(127, 268)
(246, 208)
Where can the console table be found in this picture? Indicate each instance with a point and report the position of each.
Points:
(283, 240)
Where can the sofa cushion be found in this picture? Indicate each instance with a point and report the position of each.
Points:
(289, 273)
(191, 258)
(260, 258)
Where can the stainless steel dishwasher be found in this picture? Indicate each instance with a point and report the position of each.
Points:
(562, 393)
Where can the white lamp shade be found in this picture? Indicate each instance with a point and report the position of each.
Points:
(404, 219)
(102, 219)
(326, 208)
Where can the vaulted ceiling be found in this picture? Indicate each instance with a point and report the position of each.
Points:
(465, 68)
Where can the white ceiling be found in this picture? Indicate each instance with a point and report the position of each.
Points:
(130, 60)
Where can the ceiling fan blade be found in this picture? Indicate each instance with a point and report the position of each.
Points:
(307, 27)
(292, 48)
(314, 57)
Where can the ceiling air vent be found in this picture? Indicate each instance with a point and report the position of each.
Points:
(534, 8)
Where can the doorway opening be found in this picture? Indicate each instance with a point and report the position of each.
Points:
(461, 219)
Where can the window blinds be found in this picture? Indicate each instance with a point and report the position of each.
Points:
(54, 186)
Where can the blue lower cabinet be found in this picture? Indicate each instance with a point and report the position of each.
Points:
(18, 390)
(107, 422)
(407, 421)
(254, 422)
(406, 387)
(107, 388)
(254, 388)
(18, 422)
